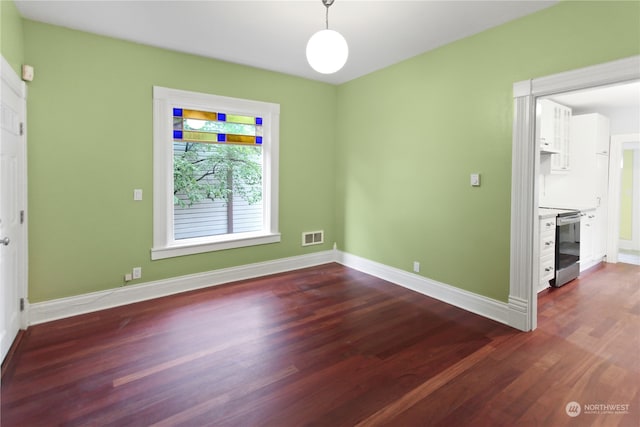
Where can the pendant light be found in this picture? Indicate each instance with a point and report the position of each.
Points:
(327, 50)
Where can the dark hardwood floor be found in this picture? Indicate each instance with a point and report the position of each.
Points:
(330, 346)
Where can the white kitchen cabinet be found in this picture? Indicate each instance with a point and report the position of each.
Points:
(590, 137)
(591, 133)
(547, 252)
(588, 232)
(603, 134)
(602, 203)
(554, 135)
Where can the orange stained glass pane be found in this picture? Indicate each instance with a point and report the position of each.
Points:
(241, 139)
(195, 114)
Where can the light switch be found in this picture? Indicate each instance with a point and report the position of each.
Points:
(475, 179)
(137, 194)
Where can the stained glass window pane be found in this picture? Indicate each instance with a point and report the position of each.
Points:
(241, 139)
(195, 114)
(216, 127)
(199, 136)
(234, 118)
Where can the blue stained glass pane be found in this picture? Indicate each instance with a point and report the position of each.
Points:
(222, 137)
(177, 134)
(258, 120)
(177, 112)
(258, 140)
(222, 117)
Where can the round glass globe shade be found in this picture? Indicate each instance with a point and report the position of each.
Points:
(327, 51)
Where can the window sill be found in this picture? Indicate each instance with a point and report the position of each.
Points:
(197, 246)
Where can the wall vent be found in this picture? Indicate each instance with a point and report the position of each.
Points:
(312, 238)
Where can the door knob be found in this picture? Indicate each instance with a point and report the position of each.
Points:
(5, 241)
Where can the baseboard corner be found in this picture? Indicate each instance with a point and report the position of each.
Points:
(469, 301)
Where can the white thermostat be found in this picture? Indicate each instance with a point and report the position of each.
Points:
(27, 73)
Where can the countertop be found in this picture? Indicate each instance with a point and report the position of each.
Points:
(550, 212)
(547, 212)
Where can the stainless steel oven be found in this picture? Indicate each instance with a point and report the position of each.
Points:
(567, 247)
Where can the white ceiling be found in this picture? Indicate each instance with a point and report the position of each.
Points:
(620, 96)
(272, 35)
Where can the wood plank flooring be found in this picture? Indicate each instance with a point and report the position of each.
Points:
(330, 346)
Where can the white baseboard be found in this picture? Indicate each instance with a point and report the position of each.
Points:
(518, 313)
(65, 307)
(628, 245)
(469, 301)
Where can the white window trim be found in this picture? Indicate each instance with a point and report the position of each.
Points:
(164, 245)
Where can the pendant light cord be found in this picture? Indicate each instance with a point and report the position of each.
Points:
(326, 4)
(327, 18)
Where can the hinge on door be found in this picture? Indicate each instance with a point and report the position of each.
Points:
(21, 128)
(21, 217)
(21, 304)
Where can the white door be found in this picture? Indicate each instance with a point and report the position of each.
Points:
(12, 203)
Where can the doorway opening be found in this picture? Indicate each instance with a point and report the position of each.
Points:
(628, 231)
(525, 185)
(592, 171)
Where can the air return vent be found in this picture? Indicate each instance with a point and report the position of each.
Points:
(312, 238)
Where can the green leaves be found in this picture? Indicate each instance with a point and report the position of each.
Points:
(216, 171)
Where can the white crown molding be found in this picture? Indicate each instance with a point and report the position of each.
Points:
(621, 70)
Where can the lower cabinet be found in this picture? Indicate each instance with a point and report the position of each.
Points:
(547, 252)
(592, 239)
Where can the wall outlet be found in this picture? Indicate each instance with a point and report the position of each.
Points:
(137, 272)
(127, 277)
(416, 266)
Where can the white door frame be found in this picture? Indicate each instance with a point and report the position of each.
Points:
(524, 263)
(8, 74)
(615, 157)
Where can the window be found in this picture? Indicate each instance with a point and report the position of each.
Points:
(215, 182)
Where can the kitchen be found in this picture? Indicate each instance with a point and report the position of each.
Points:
(588, 203)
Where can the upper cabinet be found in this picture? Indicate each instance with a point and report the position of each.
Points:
(603, 134)
(591, 132)
(553, 126)
(590, 135)
(586, 183)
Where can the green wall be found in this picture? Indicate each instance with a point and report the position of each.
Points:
(381, 163)
(626, 196)
(410, 135)
(90, 145)
(11, 35)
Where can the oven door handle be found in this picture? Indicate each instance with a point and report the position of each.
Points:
(564, 220)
